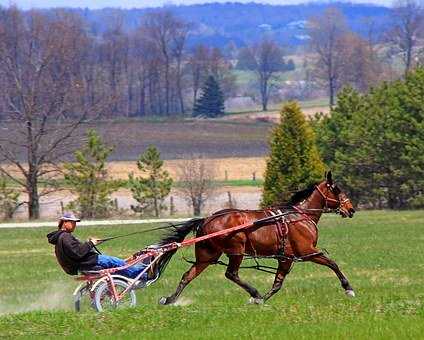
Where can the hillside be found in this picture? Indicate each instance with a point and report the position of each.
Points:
(221, 24)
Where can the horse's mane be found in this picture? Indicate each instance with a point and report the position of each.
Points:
(299, 196)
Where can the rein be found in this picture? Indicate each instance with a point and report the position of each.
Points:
(141, 232)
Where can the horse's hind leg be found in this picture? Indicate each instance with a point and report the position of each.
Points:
(232, 274)
(325, 261)
(284, 268)
(203, 259)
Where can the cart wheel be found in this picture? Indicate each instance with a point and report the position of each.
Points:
(84, 299)
(103, 298)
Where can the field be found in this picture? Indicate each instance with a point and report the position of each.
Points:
(230, 171)
(380, 252)
(234, 135)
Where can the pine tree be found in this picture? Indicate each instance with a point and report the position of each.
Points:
(87, 177)
(374, 143)
(9, 199)
(151, 189)
(211, 102)
(294, 161)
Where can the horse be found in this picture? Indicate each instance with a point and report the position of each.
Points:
(297, 241)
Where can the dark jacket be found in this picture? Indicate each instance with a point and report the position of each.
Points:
(71, 254)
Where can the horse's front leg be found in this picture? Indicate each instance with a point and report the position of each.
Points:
(325, 261)
(232, 274)
(284, 268)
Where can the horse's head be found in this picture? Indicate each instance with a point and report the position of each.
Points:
(334, 197)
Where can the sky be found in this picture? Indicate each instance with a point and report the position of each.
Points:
(26, 4)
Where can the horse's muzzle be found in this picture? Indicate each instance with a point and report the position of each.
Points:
(347, 212)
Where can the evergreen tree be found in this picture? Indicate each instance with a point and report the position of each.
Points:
(211, 102)
(335, 136)
(9, 199)
(151, 189)
(87, 177)
(294, 161)
(376, 148)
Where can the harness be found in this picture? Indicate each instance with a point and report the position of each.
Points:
(282, 228)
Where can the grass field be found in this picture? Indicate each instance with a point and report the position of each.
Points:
(380, 252)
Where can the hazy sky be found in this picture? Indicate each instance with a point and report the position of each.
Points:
(25, 4)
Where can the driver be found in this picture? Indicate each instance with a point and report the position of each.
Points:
(74, 256)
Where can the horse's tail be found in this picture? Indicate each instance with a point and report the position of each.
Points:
(177, 235)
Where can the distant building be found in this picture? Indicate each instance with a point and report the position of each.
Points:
(265, 27)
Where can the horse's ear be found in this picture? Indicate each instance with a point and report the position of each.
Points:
(329, 177)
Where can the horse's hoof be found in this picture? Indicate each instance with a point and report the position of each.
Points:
(350, 293)
(163, 301)
(256, 301)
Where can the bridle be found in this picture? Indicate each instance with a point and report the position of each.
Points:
(331, 200)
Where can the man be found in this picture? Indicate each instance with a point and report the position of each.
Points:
(74, 256)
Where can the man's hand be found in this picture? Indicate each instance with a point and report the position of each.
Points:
(95, 241)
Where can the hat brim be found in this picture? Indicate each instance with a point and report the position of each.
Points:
(70, 219)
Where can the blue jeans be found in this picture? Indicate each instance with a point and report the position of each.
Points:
(106, 261)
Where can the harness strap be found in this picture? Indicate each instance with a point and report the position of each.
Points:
(282, 227)
(325, 197)
(306, 217)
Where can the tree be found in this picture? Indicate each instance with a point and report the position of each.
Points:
(166, 34)
(196, 179)
(361, 68)
(113, 52)
(408, 28)
(374, 143)
(266, 60)
(88, 178)
(326, 32)
(199, 67)
(211, 102)
(150, 191)
(42, 58)
(9, 199)
(294, 161)
(335, 139)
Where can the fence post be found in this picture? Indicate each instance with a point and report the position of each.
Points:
(254, 176)
(230, 200)
(62, 209)
(226, 175)
(115, 202)
(171, 206)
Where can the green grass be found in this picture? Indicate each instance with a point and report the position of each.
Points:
(241, 183)
(380, 252)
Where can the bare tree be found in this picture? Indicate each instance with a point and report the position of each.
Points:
(166, 34)
(178, 43)
(326, 32)
(114, 51)
(198, 66)
(196, 178)
(205, 61)
(361, 67)
(408, 28)
(43, 94)
(267, 59)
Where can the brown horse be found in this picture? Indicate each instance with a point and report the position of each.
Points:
(291, 238)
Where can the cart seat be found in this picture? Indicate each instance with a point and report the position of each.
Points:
(91, 270)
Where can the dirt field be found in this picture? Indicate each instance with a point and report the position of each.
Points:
(272, 116)
(238, 135)
(176, 140)
(225, 168)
